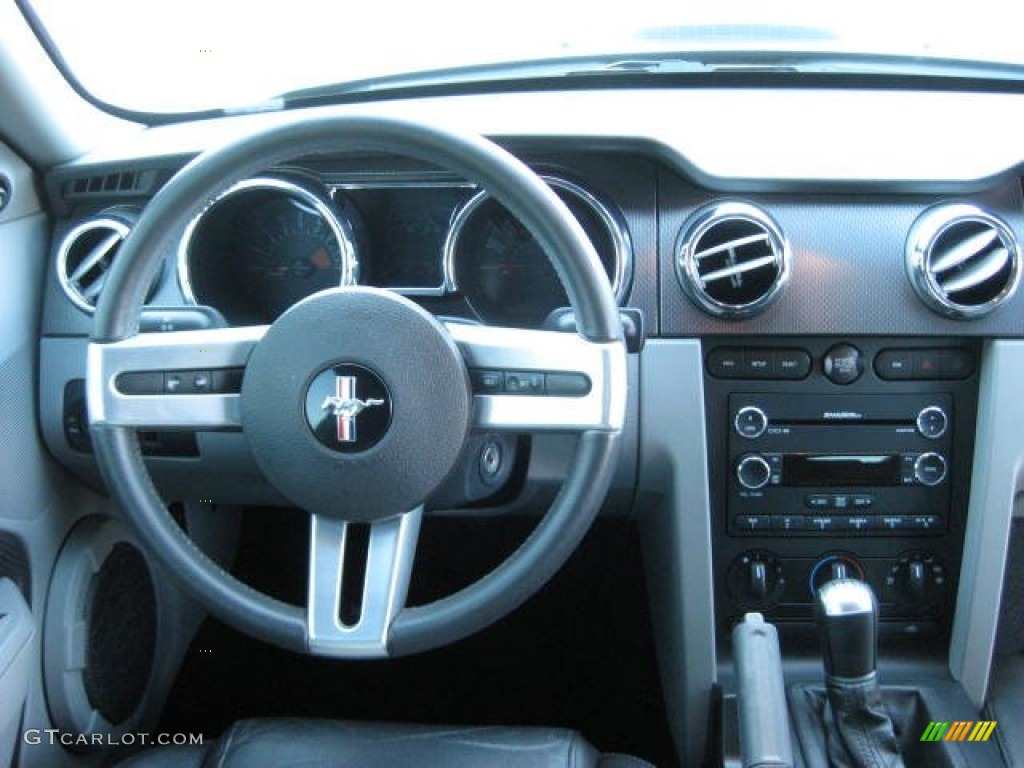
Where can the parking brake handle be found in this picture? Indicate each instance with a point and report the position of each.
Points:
(765, 740)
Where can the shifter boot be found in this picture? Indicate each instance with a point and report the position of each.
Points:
(858, 730)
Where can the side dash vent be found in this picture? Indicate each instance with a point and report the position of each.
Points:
(85, 257)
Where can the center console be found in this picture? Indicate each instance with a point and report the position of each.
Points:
(839, 458)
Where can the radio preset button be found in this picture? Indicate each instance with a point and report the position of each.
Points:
(750, 523)
(843, 364)
(932, 422)
(930, 469)
(753, 472)
(894, 522)
(750, 422)
(790, 523)
(856, 523)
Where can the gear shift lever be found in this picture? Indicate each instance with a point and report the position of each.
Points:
(858, 731)
(849, 622)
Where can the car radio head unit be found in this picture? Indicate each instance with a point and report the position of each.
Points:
(867, 464)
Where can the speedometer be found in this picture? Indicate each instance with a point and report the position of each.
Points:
(501, 270)
(262, 246)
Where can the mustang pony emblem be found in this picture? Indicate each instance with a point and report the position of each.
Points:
(345, 406)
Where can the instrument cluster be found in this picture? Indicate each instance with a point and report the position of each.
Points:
(270, 241)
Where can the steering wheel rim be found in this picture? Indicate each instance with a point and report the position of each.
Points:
(403, 629)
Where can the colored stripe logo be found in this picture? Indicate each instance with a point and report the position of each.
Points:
(959, 730)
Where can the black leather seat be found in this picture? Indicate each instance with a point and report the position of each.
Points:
(304, 743)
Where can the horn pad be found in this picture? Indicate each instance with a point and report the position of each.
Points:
(356, 404)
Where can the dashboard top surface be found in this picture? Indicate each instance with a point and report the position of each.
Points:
(725, 138)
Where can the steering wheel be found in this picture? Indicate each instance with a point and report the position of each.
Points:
(346, 350)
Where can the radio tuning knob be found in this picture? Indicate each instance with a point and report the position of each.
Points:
(753, 471)
(930, 468)
(750, 422)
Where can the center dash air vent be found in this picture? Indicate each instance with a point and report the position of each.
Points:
(732, 259)
(962, 261)
(86, 255)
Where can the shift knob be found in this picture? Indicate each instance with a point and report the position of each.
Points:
(848, 614)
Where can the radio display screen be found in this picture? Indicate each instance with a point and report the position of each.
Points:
(829, 469)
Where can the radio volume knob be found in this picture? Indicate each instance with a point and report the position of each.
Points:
(930, 468)
(932, 422)
(753, 471)
(750, 422)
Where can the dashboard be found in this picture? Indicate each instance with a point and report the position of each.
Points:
(822, 323)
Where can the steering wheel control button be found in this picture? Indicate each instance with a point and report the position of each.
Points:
(487, 382)
(750, 422)
(348, 407)
(930, 469)
(568, 384)
(524, 383)
(843, 364)
(141, 383)
(753, 472)
(932, 422)
(227, 380)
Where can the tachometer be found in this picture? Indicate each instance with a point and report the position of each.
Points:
(263, 245)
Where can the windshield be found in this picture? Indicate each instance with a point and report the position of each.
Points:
(190, 55)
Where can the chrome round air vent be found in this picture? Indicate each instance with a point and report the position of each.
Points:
(732, 259)
(963, 262)
(86, 255)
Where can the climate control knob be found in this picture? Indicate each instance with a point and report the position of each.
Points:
(753, 471)
(838, 565)
(916, 578)
(755, 579)
(930, 468)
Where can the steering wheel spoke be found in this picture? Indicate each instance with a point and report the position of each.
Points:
(542, 381)
(389, 556)
(150, 380)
